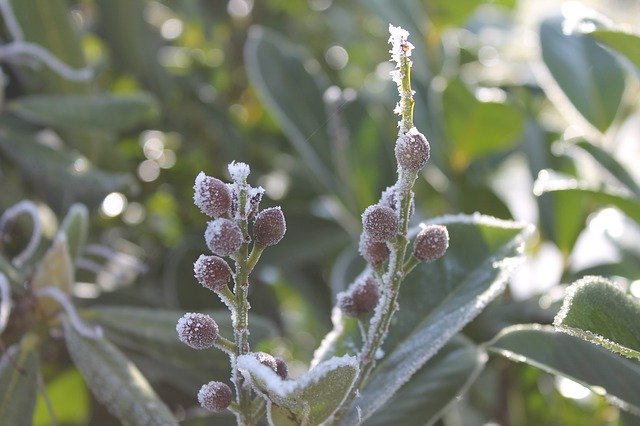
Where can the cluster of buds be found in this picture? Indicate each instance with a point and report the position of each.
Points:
(237, 223)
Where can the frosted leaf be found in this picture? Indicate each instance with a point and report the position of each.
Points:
(215, 396)
(239, 172)
(211, 195)
(30, 209)
(380, 222)
(65, 301)
(223, 237)
(198, 331)
(276, 364)
(254, 196)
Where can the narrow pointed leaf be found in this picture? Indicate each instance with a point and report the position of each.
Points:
(587, 74)
(106, 113)
(311, 398)
(115, 381)
(597, 310)
(559, 353)
(626, 43)
(75, 227)
(55, 269)
(436, 301)
(18, 382)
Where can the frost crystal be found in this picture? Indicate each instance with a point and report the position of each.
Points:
(215, 396)
(198, 331)
(223, 237)
(211, 195)
(238, 171)
(380, 222)
(276, 364)
(212, 272)
(398, 38)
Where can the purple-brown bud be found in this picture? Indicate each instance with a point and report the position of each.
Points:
(276, 364)
(412, 151)
(269, 227)
(199, 331)
(380, 222)
(212, 272)
(211, 195)
(374, 252)
(223, 237)
(361, 298)
(215, 396)
(431, 243)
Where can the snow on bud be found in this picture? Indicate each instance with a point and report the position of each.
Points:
(361, 298)
(223, 237)
(215, 396)
(431, 243)
(380, 222)
(269, 227)
(239, 171)
(374, 252)
(412, 150)
(276, 364)
(212, 272)
(211, 195)
(198, 331)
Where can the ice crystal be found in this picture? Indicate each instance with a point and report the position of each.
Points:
(239, 171)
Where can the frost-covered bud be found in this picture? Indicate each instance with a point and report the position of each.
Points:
(211, 195)
(215, 396)
(212, 272)
(374, 252)
(199, 331)
(276, 364)
(223, 237)
(361, 298)
(269, 227)
(431, 243)
(380, 222)
(412, 151)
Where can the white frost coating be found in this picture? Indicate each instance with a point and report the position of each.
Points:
(31, 209)
(398, 38)
(65, 301)
(571, 291)
(5, 302)
(250, 366)
(239, 171)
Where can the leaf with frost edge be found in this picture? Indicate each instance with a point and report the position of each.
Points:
(587, 335)
(376, 394)
(288, 393)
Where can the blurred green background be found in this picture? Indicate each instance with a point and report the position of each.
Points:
(528, 119)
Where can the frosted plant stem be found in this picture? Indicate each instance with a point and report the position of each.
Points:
(241, 319)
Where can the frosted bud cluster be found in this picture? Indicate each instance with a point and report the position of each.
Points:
(431, 243)
(361, 298)
(212, 272)
(269, 227)
(211, 195)
(275, 363)
(223, 237)
(215, 396)
(380, 223)
(198, 331)
(412, 150)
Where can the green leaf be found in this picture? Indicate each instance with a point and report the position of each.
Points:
(274, 66)
(588, 75)
(75, 227)
(434, 387)
(101, 112)
(19, 382)
(436, 301)
(626, 43)
(115, 381)
(55, 269)
(569, 356)
(61, 176)
(67, 410)
(308, 400)
(597, 310)
(610, 164)
(478, 128)
(444, 13)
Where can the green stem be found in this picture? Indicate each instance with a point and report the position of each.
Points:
(406, 94)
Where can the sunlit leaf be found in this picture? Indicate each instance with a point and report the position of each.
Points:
(626, 43)
(67, 410)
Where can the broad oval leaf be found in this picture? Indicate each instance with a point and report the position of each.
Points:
(581, 361)
(18, 382)
(436, 301)
(103, 112)
(75, 226)
(434, 387)
(626, 43)
(308, 400)
(115, 381)
(587, 74)
(597, 310)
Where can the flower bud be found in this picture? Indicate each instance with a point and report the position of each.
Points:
(431, 243)
(211, 195)
(215, 396)
(212, 272)
(199, 331)
(380, 222)
(412, 151)
(223, 237)
(374, 252)
(269, 227)
(276, 364)
(361, 298)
